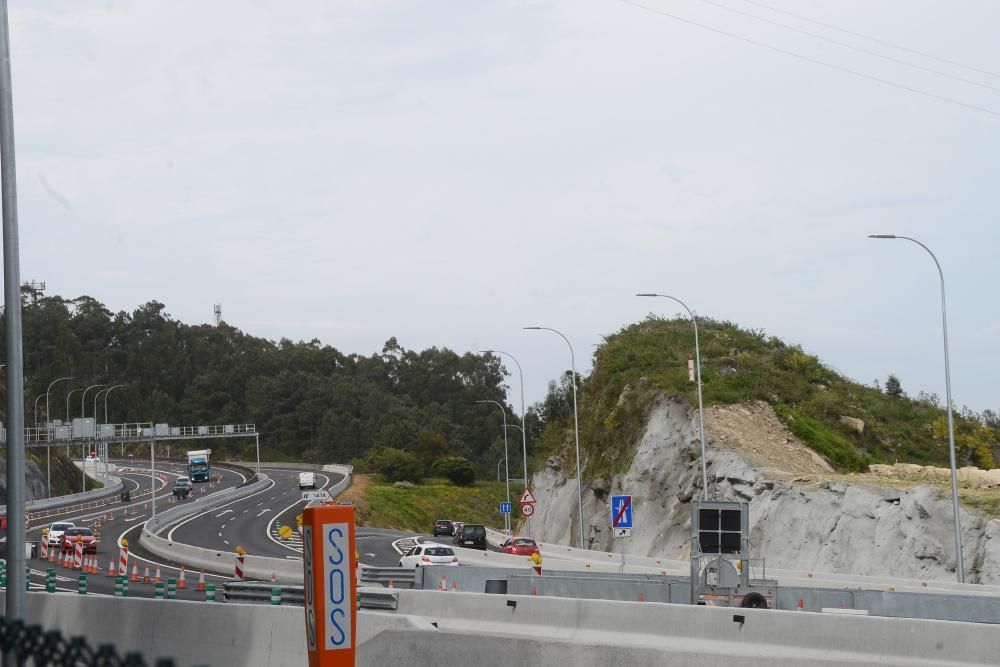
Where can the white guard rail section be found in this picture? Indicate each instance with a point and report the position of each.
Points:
(224, 562)
(112, 487)
(502, 630)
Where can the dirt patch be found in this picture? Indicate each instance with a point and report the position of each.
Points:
(355, 494)
(755, 433)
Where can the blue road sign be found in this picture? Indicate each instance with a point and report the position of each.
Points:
(621, 511)
(504, 507)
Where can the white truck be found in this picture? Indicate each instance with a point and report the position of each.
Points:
(307, 480)
(199, 468)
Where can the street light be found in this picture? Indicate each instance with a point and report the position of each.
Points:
(106, 392)
(701, 407)
(83, 415)
(524, 438)
(37, 398)
(48, 437)
(507, 464)
(960, 565)
(576, 427)
(499, 461)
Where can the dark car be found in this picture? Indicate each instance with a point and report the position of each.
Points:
(443, 527)
(182, 488)
(471, 535)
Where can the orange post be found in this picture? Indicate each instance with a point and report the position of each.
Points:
(330, 585)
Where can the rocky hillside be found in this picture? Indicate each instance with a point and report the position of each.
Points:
(810, 450)
(803, 514)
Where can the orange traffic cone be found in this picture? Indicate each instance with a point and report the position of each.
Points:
(201, 580)
(111, 567)
(180, 579)
(135, 573)
(799, 606)
(443, 584)
(274, 578)
(454, 585)
(157, 579)
(642, 597)
(533, 591)
(145, 576)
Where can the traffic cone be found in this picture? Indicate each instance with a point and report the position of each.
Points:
(157, 579)
(799, 606)
(52, 554)
(443, 584)
(135, 573)
(390, 583)
(145, 576)
(274, 578)
(454, 585)
(201, 580)
(642, 597)
(180, 579)
(533, 591)
(111, 567)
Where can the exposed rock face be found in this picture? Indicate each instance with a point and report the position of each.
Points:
(830, 527)
(853, 422)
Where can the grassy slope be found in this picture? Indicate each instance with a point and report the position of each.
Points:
(386, 506)
(648, 359)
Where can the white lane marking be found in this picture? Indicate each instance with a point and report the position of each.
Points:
(220, 533)
(222, 512)
(170, 535)
(226, 541)
(262, 502)
(132, 554)
(271, 529)
(263, 511)
(294, 557)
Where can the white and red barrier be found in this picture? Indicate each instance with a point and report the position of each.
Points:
(123, 559)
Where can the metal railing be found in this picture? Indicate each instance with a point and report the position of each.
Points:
(261, 591)
(394, 577)
(66, 434)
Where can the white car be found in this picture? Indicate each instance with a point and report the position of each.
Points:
(429, 553)
(56, 531)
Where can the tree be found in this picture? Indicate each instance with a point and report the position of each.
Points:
(395, 465)
(456, 469)
(892, 387)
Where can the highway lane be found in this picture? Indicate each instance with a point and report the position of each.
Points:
(116, 520)
(253, 522)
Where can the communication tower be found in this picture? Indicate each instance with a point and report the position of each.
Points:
(218, 313)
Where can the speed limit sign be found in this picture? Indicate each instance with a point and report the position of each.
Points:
(527, 509)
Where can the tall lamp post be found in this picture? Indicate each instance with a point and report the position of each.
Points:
(37, 398)
(48, 436)
(524, 438)
(106, 392)
(68, 421)
(959, 564)
(506, 466)
(576, 427)
(701, 407)
(83, 446)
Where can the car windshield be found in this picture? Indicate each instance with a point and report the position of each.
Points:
(61, 526)
(474, 531)
(524, 543)
(198, 467)
(444, 523)
(182, 480)
(439, 551)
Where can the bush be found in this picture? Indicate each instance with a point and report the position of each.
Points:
(456, 469)
(395, 465)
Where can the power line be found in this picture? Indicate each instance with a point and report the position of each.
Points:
(816, 61)
(848, 46)
(873, 39)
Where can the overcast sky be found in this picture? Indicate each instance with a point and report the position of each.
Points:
(448, 172)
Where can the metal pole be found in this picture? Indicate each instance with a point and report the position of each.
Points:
(83, 405)
(701, 406)
(152, 483)
(503, 411)
(499, 461)
(71, 392)
(959, 561)
(256, 438)
(16, 582)
(106, 392)
(576, 430)
(524, 436)
(37, 398)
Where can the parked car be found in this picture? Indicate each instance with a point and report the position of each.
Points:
(182, 487)
(520, 546)
(56, 531)
(86, 536)
(429, 553)
(444, 527)
(471, 535)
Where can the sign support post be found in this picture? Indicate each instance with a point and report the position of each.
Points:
(330, 585)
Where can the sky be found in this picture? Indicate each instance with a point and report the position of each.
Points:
(450, 172)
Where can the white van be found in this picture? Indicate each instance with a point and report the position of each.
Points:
(307, 480)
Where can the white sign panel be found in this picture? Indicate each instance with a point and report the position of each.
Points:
(337, 574)
(322, 494)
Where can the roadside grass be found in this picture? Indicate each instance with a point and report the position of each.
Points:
(382, 505)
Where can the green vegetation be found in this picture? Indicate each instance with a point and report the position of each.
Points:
(309, 401)
(649, 359)
(416, 507)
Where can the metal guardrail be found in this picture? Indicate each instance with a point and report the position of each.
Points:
(391, 577)
(260, 591)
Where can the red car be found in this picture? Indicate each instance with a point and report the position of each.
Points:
(520, 546)
(86, 535)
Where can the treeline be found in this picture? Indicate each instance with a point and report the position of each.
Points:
(309, 401)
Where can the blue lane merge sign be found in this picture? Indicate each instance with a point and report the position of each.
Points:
(621, 511)
(504, 507)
